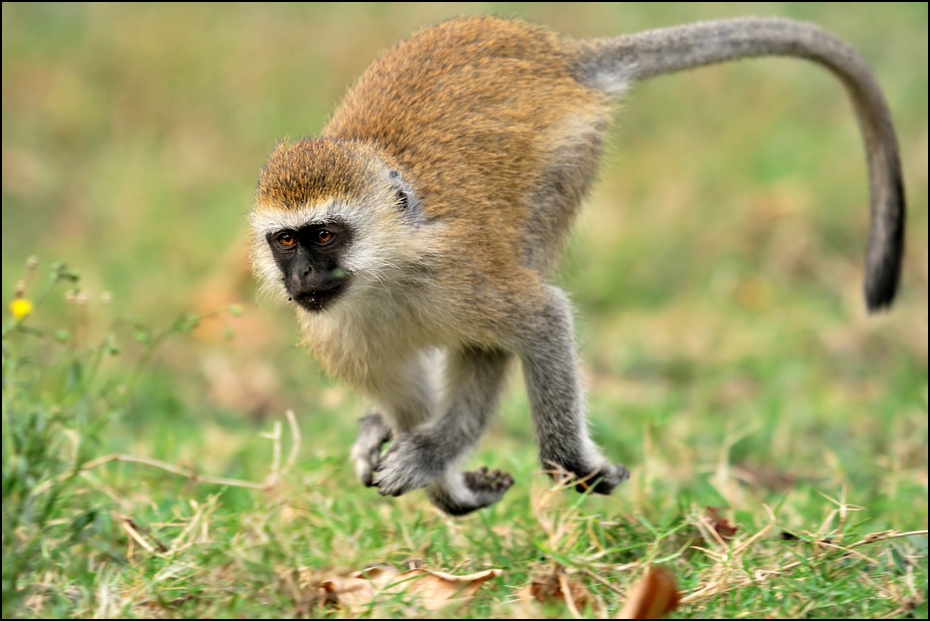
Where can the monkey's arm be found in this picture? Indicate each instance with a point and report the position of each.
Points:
(613, 64)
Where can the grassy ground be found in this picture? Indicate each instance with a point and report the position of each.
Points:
(149, 468)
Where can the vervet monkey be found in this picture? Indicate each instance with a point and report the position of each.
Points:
(415, 235)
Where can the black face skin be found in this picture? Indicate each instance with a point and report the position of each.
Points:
(309, 260)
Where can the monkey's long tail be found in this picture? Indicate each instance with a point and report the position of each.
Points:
(615, 63)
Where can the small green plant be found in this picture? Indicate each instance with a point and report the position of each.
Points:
(56, 404)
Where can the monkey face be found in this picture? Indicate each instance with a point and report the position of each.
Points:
(335, 227)
(309, 260)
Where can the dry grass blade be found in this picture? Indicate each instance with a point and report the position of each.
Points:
(135, 533)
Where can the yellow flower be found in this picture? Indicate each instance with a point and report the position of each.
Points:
(20, 307)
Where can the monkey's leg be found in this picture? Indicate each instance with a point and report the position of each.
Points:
(430, 453)
(406, 390)
(556, 397)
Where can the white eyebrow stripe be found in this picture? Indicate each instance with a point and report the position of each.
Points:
(268, 221)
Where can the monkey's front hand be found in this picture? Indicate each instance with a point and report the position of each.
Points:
(413, 461)
(373, 433)
(417, 459)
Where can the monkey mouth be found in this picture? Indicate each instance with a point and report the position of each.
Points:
(318, 299)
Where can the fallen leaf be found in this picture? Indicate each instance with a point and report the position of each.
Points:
(653, 597)
(353, 592)
(436, 589)
(432, 589)
(720, 523)
(562, 588)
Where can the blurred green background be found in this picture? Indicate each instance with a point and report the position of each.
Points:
(716, 270)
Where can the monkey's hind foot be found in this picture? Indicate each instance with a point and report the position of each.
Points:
(481, 481)
(463, 492)
(603, 480)
(373, 433)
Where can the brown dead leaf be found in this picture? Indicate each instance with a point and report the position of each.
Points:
(653, 597)
(719, 523)
(353, 592)
(437, 589)
(432, 589)
(560, 587)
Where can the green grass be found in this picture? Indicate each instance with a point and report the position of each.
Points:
(716, 273)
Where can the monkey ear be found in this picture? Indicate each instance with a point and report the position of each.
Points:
(406, 198)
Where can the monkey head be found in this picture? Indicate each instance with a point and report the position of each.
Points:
(332, 219)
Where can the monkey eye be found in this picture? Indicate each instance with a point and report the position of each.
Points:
(286, 239)
(323, 236)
